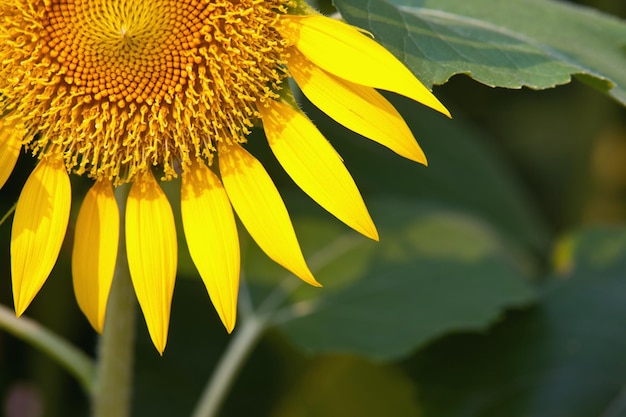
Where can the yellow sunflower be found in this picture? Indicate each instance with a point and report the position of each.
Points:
(113, 89)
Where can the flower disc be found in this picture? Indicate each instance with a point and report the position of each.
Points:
(117, 86)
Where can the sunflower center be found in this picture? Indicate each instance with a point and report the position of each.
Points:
(117, 86)
(124, 52)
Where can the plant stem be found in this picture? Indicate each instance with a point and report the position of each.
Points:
(113, 386)
(68, 356)
(237, 351)
(254, 324)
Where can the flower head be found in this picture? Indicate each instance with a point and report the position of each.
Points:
(113, 89)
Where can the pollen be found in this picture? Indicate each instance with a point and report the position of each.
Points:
(116, 87)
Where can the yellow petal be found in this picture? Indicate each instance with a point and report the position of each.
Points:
(152, 254)
(261, 209)
(10, 144)
(39, 227)
(349, 54)
(315, 166)
(211, 234)
(95, 251)
(359, 108)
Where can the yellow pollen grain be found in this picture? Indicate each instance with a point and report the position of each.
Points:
(116, 86)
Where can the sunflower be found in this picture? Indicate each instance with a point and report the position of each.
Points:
(114, 89)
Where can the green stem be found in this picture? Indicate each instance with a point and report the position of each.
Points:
(254, 324)
(113, 386)
(68, 356)
(237, 351)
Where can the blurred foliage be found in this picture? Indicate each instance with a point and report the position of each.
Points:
(499, 284)
(561, 358)
(338, 386)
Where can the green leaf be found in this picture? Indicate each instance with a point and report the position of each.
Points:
(533, 43)
(564, 357)
(433, 272)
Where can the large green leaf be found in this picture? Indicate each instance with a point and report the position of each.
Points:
(514, 43)
(564, 357)
(434, 271)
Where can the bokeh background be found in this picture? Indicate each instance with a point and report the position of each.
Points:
(498, 287)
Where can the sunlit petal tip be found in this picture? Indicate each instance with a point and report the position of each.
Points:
(374, 235)
(39, 227)
(211, 234)
(357, 107)
(422, 158)
(261, 209)
(152, 253)
(315, 166)
(346, 52)
(10, 145)
(229, 326)
(95, 251)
